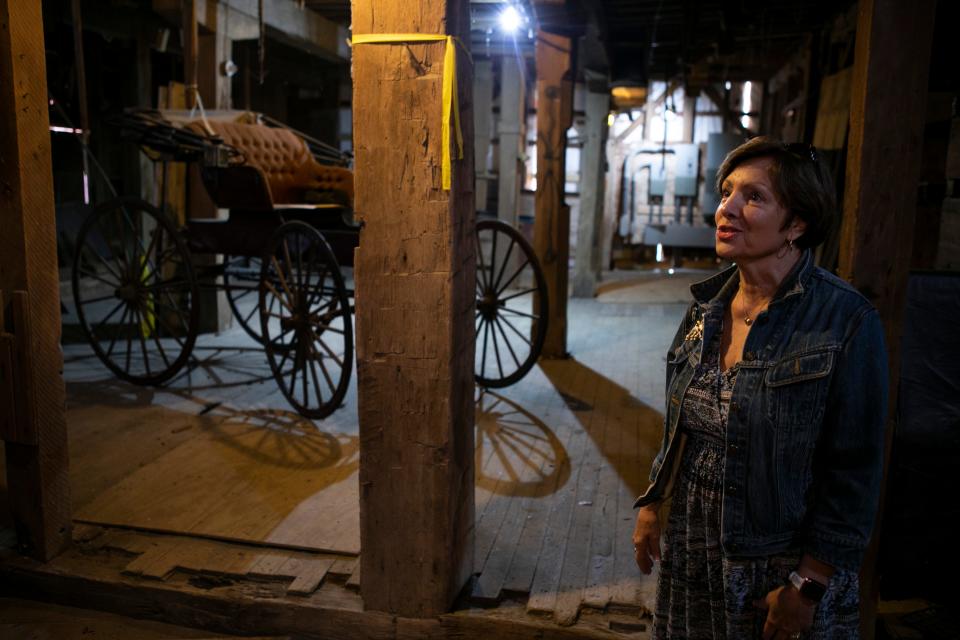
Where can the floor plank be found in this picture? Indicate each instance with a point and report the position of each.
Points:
(216, 453)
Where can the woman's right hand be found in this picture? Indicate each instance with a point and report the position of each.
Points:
(646, 537)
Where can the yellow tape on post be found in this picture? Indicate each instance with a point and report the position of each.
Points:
(450, 100)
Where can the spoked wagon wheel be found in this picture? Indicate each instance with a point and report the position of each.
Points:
(510, 326)
(305, 320)
(241, 282)
(135, 291)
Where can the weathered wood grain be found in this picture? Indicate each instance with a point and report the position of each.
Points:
(37, 474)
(551, 231)
(414, 273)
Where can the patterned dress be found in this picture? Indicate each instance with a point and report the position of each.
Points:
(702, 593)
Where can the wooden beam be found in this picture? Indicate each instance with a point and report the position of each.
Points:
(510, 131)
(37, 472)
(415, 280)
(483, 120)
(593, 161)
(728, 115)
(214, 48)
(551, 225)
(191, 44)
(690, 96)
(887, 109)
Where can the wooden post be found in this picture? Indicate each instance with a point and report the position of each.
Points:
(415, 278)
(213, 49)
(592, 173)
(203, 54)
(551, 226)
(649, 113)
(82, 105)
(887, 108)
(690, 96)
(190, 49)
(510, 129)
(36, 455)
(483, 117)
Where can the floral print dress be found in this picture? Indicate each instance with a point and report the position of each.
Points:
(701, 592)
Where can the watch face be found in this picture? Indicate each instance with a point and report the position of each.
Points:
(812, 590)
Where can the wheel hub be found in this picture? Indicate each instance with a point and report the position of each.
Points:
(127, 293)
(488, 305)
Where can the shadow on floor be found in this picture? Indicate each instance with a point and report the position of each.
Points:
(639, 426)
(526, 459)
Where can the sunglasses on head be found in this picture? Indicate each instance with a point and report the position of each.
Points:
(804, 151)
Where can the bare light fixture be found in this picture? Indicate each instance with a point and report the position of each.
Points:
(510, 19)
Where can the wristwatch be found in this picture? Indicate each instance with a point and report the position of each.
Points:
(808, 588)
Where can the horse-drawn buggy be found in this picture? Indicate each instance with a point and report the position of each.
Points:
(282, 256)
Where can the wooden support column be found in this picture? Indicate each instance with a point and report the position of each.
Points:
(690, 96)
(592, 175)
(510, 129)
(144, 90)
(551, 226)
(887, 109)
(483, 119)
(214, 48)
(191, 39)
(415, 278)
(204, 51)
(33, 425)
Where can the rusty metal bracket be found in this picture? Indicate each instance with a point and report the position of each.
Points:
(17, 420)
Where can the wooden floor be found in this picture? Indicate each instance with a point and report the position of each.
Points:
(29, 619)
(212, 475)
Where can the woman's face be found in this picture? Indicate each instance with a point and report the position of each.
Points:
(749, 217)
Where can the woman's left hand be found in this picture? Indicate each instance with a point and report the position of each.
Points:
(788, 614)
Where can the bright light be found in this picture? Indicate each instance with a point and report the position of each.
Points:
(610, 120)
(659, 252)
(747, 103)
(510, 19)
(57, 129)
(727, 85)
(670, 271)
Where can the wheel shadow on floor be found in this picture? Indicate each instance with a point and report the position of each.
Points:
(626, 431)
(517, 454)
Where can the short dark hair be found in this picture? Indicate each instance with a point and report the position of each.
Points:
(801, 182)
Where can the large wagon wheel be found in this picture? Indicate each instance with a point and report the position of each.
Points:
(305, 320)
(135, 291)
(510, 325)
(241, 282)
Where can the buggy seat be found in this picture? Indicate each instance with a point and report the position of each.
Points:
(274, 168)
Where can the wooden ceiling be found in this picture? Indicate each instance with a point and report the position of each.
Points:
(656, 39)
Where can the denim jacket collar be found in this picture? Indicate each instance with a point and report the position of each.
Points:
(721, 286)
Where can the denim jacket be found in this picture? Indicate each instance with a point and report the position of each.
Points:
(805, 432)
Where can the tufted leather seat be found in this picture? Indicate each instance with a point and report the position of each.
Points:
(290, 173)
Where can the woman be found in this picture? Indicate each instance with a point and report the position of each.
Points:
(773, 442)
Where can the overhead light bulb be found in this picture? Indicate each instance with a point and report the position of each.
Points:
(510, 19)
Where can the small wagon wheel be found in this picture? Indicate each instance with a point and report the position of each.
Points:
(241, 282)
(511, 316)
(305, 320)
(135, 291)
